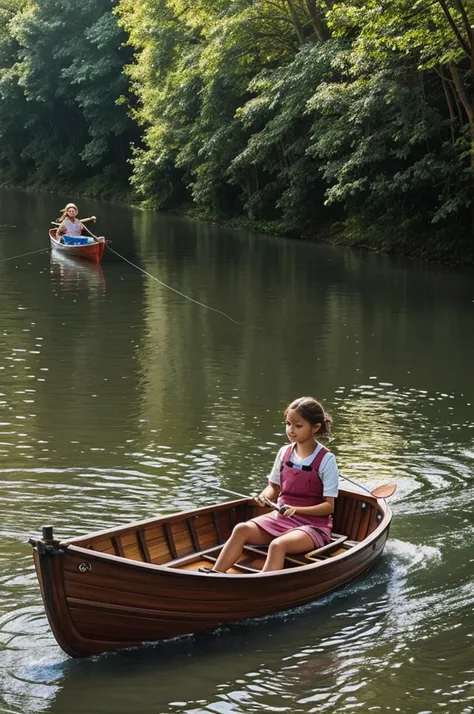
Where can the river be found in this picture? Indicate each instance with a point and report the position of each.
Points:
(126, 393)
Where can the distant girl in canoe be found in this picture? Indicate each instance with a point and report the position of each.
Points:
(304, 481)
(69, 224)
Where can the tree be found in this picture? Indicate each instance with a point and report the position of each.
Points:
(63, 77)
(437, 37)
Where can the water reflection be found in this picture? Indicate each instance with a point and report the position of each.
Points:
(74, 273)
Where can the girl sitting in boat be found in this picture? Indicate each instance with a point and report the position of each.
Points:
(304, 481)
(69, 224)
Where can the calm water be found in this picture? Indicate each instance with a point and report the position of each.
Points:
(120, 398)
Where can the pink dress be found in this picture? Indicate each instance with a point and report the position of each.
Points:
(299, 487)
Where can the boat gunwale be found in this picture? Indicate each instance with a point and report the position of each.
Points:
(73, 547)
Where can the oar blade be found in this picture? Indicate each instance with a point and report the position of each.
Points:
(384, 491)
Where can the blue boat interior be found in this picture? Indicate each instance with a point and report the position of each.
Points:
(76, 240)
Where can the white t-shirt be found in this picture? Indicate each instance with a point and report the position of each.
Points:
(328, 471)
(73, 228)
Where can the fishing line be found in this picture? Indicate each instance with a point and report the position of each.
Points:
(220, 312)
(41, 250)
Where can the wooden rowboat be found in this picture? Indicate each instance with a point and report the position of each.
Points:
(140, 582)
(88, 249)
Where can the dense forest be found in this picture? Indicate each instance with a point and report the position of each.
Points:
(349, 120)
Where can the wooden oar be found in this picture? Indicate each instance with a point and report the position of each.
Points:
(267, 501)
(384, 491)
(97, 238)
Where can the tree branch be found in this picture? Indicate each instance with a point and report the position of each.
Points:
(462, 93)
(455, 28)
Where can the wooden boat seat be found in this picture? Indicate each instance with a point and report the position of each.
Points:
(336, 540)
(296, 559)
(200, 555)
(302, 559)
(238, 566)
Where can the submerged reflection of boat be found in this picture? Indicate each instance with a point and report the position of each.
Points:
(75, 271)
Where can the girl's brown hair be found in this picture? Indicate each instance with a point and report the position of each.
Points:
(313, 412)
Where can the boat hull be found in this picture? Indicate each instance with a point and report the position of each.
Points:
(92, 251)
(101, 601)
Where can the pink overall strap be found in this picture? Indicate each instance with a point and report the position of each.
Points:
(286, 458)
(316, 462)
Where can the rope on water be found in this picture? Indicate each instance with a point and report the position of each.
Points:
(220, 312)
(41, 250)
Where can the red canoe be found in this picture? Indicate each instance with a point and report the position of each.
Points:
(93, 250)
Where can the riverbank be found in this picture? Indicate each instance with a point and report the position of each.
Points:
(436, 247)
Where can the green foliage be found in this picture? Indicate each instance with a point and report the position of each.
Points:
(394, 129)
(250, 108)
(62, 76)
(193, 73)
(275, 169)
(293, 115)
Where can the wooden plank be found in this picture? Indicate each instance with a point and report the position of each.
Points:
(193, 534)
(155, 522)
(130, 546)
(205, 531)
(259, 551)
(296, 560)
(181, 538)
(341, 501)
(324, 548)
(104, 545)
(359, 512)
(225, 523)
(217, 526)
(233, 517)
(364, 524)
(143, 545)
(117, 545)
(169, 540)
(373, 522)
(157, 545)
(245, 568)
(348, 516)
(191, 558)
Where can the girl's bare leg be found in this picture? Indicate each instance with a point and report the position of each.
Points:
(294, 541)
(243, 533)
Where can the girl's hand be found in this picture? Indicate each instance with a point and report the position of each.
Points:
(287, 511)
(93, 218)
(259, 500)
